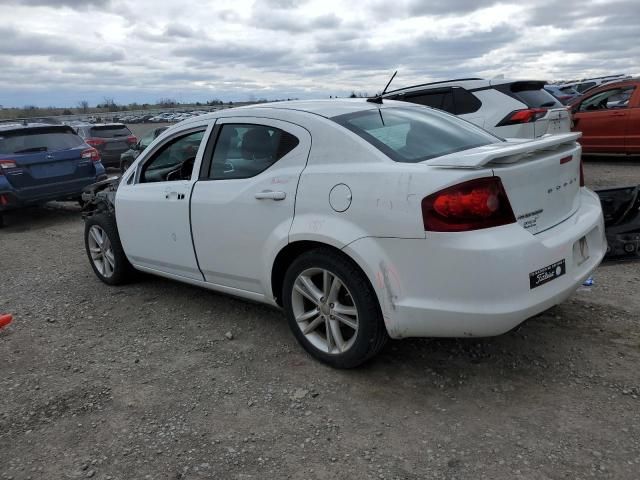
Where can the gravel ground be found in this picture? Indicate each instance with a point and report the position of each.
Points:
(166, 381)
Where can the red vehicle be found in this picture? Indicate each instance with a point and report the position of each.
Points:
(609, 118)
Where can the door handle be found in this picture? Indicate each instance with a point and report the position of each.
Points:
(270, 195)
(176, 195)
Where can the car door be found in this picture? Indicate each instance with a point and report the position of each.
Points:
(633, 124)
(602, 118)
(242, 207)
(152, 208)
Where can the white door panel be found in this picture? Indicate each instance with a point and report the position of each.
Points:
(237, 222)
(153, 220)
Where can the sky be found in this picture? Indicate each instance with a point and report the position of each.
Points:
(59, 52)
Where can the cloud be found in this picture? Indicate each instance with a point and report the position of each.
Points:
(233, 49)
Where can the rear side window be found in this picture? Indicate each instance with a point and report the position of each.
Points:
(245, 150)
(413, 135)
(48, 139)
(532, 94)
(440, 99)
(457, 101)
(585, 86)
(465, 101)
(109, 131)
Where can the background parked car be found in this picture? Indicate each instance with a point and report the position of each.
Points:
(40, 162)
(110, 139)
(609, 118)
(586, 84)
(127, 158)
(508, 108)
(563, 93)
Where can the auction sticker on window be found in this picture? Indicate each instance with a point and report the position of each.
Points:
(546, 274)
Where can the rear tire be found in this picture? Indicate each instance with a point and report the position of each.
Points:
(332, 309)
(104, 250)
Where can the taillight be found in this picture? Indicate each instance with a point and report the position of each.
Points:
(6, 164)
(91, 153)
(472, 205)
(94, 142)
(522, 116)
(132, 139)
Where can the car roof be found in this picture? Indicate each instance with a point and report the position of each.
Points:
(468, 83)
(327, 108)
(16, 126)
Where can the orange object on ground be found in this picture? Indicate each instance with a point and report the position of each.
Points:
(5, 320)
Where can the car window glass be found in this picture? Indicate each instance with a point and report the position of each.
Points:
(147, 139)
(585, 86)
(38, 140)
(109, 131)
(245, 150)
(442, 100)
(465, 102)
(174, 160)
(615, 98)
(413, 134)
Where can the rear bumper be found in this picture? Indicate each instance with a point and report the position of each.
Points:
(16, 198)
(477, 283)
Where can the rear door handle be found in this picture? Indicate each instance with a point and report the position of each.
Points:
(270, 195)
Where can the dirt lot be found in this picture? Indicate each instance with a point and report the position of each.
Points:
(141, 382)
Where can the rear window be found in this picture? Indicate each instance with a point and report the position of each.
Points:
(532, 94)
(48, 139)
(109, 131)
(412, 135)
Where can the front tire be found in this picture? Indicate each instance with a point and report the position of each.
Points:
(332, 309)
(104, 250)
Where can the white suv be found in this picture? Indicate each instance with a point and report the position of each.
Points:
(507, 108)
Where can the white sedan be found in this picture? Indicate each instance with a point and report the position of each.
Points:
(362, 220)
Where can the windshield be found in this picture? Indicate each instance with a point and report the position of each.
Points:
(416, 134)
(48, 139)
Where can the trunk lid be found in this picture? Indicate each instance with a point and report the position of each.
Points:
(541, 177)
(557, 120)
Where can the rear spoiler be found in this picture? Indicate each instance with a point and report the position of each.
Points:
(510, 151)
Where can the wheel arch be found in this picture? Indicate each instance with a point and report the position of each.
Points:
(293, 250)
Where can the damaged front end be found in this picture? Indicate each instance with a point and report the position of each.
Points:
(100, 197)
(621, 208)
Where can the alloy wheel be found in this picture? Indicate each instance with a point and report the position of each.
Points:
(324, 310)
(101, 251)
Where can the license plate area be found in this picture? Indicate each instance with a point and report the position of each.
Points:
(547, 274)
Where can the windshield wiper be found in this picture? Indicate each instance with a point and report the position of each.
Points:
(32, 149)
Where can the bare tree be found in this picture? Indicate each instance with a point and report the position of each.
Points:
(83, 105)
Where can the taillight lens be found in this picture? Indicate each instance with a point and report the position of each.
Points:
(472, 205)
(7, 164)
(523, 116)
(94, 142)
(132, 139)
(92, 154)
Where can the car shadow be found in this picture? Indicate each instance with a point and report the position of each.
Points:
(42, 216)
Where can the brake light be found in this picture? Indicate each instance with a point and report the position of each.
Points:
(95, 142)
(472, 205)
(522, 116)
(7, 164)
(92, 154)
(132, 139)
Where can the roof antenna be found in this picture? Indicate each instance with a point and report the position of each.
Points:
(378, 98)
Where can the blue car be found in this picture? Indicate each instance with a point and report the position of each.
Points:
(40, 162)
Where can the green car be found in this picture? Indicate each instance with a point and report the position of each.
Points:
(127, 158)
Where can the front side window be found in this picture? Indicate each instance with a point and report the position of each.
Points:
(413, 135)
(609, 99)
(245, 150)
(174, 160)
